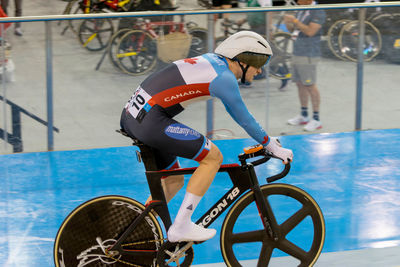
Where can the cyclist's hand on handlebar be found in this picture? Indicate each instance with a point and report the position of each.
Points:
(276, 149)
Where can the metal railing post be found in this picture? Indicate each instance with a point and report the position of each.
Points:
(360, 66)
(49, 86)
(266, 69)
(210, 102)
(3, 83)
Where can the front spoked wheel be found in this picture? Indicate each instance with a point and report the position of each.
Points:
(301, 229)
(94, 34)
(87, 234)
(136, 52)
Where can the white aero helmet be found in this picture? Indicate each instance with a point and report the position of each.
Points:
(247, 47)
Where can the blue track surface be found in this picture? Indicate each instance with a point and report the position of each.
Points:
(355, 177)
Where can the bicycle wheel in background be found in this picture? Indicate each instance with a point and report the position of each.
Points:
(94, 226)
(94, 34)
(112, 48)
(280, 64)
(199, 42)
(348, 41)
(283, 42)
(333, 38)
(73, 7)
(388, 25)
(136, 52)
(299, 219)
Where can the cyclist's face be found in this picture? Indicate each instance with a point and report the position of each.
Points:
(251, 72)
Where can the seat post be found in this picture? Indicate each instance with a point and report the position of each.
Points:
(154, 182)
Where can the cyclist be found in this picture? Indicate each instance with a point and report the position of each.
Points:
(148, 116)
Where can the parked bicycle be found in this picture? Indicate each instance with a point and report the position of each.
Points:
(94, 6)
(117, 230)
(95, 34)
(135, 51)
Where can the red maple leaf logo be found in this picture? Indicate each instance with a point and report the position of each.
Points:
(191, 60)
(265, 139)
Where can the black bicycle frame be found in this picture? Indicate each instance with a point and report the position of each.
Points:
(242, 176)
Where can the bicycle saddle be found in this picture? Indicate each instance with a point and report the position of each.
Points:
(135, 141)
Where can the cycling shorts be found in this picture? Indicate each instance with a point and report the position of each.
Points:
(168, 137)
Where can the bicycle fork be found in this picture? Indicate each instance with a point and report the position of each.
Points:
(264, 209)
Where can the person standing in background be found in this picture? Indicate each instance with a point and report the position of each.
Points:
(221, 4)
(18, 13)
(307, 26)
(256, 20)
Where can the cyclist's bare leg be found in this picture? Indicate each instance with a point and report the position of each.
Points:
(183, 229)
(205, 173)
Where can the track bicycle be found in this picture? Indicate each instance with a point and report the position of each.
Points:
(94, 34)
(136, 51)
(91, 6)
(142, 61)
(120, 231)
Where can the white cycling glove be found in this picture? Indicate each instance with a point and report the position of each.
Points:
(275, 147)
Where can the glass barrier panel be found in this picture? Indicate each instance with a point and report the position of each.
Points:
(24, 82)
(98, 64)
(381, 82)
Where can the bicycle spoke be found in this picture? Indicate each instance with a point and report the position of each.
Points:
(104, 30)
(292, 249)
(265, 255)
(293, 221)
(253, 236)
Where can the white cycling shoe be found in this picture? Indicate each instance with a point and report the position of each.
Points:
(191, 232)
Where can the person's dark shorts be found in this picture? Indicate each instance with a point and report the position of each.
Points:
(216, 3)
(168, 137)
(304, 69)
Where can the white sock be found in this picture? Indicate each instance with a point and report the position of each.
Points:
(189, 204)
(183, 229)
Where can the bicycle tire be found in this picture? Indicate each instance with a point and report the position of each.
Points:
(333, 38)
(283, 42)
(73, 7)
(199, 41)
(133, 57)
(112, 48)
(280, 65)
(94, 34)
(105, 217)
(348, 41)
(236, 246)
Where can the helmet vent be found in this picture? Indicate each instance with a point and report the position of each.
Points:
(261, 44)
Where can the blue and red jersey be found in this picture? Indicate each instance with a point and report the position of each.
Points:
(193, 79)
